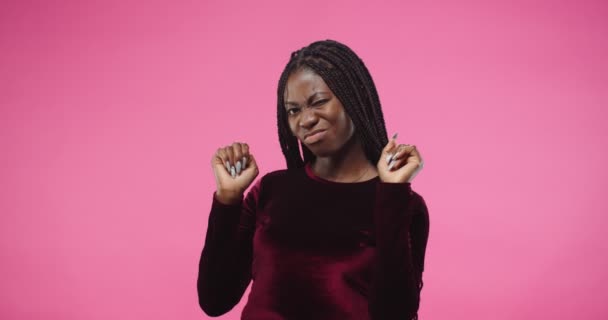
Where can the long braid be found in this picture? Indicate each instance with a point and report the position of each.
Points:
(357, 99)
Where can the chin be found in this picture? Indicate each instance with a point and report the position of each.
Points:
(320, 150)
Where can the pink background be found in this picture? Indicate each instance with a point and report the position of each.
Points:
(111, 111)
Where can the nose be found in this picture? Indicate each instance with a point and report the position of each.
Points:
(309, 118)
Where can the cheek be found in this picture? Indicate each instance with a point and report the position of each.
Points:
(291, 123)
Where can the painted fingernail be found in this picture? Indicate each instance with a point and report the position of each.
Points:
(390, 166)
(238, 167)
(227, 165)
(395, 135)
(388, 158)
(232, 172)
(244, 162)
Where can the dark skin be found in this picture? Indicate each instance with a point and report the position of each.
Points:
(310, 106)
(339, 155)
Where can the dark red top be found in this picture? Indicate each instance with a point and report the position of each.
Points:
(316, 249)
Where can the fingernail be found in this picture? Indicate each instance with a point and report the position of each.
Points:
(390, 166)
(395, 135)
(244, 162)
(227, 165)
(232, 172)
(238, 167)
(388, 158)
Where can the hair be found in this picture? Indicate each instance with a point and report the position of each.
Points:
(350, 81)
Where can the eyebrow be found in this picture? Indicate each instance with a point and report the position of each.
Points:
(309, 98)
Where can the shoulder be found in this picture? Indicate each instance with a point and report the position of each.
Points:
(278, 176)
(274, 183)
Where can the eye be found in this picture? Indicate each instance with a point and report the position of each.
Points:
(320, 102)
(292, 111)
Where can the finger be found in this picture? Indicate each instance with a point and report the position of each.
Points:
(220, 159)
(389, 148)
(397, 164)
(415, 153)
(394, 165)
(392, 142)
(252, 166)
(230, 154)
(252, 162)
(237, 151)
(403, 151)
(238, 157)
(412, 160)
(245, 148)
(227, 160)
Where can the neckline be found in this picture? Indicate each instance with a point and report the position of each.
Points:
(313, 176)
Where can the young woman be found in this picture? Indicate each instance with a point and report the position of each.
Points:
(339, 234)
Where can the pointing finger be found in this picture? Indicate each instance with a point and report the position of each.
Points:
(389, 148)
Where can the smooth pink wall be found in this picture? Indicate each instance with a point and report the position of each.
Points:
(111, 111)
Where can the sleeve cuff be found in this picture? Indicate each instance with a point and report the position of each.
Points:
(224, 214)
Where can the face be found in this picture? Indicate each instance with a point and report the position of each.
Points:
(311, 106)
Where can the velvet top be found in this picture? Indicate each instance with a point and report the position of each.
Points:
(316, 249)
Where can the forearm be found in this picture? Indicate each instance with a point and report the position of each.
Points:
(394, 289)
(224, 266)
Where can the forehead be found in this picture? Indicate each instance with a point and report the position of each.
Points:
(302, 83)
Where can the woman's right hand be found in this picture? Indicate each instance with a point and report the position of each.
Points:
(234, 169)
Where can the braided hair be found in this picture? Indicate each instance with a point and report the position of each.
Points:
(348, 78)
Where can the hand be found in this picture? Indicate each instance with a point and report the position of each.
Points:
(405, 162)
(235, 169)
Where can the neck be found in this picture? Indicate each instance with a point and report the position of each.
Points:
(348, 165)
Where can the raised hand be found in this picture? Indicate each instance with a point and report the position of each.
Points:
(399, 162)
(235, 169)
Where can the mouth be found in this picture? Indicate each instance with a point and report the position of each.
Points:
(314, 136)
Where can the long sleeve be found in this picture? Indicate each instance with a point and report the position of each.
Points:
(225, 264)
(401, 228)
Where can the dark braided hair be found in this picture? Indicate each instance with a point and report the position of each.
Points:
(348, 78)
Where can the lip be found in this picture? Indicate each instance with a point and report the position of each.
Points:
(314, 136)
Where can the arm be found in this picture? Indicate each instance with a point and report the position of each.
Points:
(225, 265)
(401, 228)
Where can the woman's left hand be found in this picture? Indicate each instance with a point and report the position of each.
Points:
(405, 162)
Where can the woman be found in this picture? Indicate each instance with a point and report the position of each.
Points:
(339, 234)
